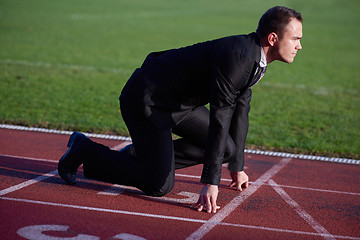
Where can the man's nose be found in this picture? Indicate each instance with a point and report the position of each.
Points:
(299, 47)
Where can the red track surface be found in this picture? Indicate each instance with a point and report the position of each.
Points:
(287, 199)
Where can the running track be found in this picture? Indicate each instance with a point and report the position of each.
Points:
(288, 198)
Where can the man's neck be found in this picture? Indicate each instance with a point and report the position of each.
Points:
(267, 51)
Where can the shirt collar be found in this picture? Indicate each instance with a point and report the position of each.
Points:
(263, 62)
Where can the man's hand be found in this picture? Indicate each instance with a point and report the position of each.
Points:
(239, 180)
(207, 199)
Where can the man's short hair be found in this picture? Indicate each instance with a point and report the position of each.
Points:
(275, 20)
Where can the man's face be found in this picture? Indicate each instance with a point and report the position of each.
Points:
(289, 44)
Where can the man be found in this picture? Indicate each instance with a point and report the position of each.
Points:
(167, 95)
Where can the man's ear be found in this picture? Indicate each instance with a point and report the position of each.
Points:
(272, 39)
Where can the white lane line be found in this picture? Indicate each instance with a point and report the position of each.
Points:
(224, 212)
(28, 183)
(29, 158)
(320, 190)
(113, 190)
(301, 212)
(116, 189)
(198, 177)
(171, 217)
(104, 210)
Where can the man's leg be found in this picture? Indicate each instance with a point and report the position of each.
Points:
(147, 164)
(194, 128)
(151, 169)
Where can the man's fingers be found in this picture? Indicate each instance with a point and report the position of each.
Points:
(203, 204)
(200, 208)
(199, 205)
(239, 186)
(207, 199)
(208, 205)
(214, 206)
(236, 186)
(243, 185)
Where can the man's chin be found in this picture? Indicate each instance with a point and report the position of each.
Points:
(290, 60)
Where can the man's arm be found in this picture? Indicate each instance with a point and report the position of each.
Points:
(231, 73)
(239, 129)
(214, 154)
(212, 169)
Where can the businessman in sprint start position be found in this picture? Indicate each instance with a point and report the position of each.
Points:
(168, 94)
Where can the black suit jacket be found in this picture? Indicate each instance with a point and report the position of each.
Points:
(171, 83)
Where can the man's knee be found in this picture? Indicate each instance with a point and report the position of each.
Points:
(159, 192)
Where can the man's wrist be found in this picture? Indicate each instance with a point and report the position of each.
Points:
(210, 185)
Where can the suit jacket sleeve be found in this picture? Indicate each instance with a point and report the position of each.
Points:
(239, 129)
(231, 73)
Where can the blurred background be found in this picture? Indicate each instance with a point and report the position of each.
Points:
(63, 65)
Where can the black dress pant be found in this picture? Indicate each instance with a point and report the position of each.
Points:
(150, 162)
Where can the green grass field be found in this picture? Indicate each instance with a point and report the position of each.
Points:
(64, 63)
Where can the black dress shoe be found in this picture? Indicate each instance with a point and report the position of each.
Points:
(73, 158)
